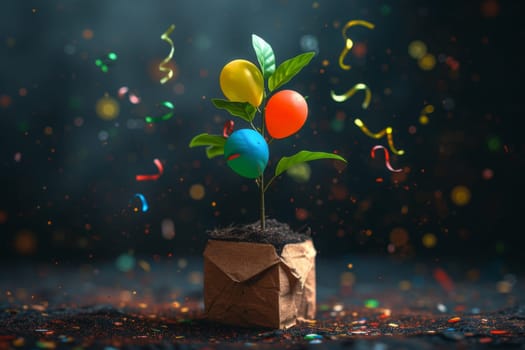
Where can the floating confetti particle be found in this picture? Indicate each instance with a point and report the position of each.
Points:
(165, 116)
(312, 336)
(417, 49)
(348, 42)
(351, 92)
(228, 128)
(460, 195)
(443, 279)
(386, 131)
(159, 166)
(367, 132)
(133, 98)
(107, 108)
(387, 158)
(162, 68)
(423, 116)
(145, 206)
(104, 62)
(454, 319)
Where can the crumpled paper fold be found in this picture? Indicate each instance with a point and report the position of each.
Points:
(250, 285)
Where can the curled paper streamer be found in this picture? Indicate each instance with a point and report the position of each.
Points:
(348, 42)
(166, 116)
(387, 158)
(145, 206)
(367, 132)
(390, 140)
(377, 135)
(351, 92)
(159, 166)
(228, 128)
(162, 68)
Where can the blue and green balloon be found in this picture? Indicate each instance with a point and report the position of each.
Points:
(246, 153)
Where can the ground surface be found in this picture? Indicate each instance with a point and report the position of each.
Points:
(374, 303)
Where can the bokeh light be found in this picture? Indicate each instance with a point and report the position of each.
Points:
(197, 192)
(427, 62)
(399, 237)
(25, 242)
(125, 262)
(429, 240)
(107, 108)
(300, 172)
(417, 49)
(167, 229)
(460, 195)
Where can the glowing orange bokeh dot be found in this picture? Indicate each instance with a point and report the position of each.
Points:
(3, 217)
(87, 34)
(25, 242)
(5, 101)
(490, 8)
(359, 50)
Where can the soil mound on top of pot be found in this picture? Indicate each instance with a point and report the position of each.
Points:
(276, 233)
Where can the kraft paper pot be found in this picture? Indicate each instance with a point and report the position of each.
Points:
(251, 285)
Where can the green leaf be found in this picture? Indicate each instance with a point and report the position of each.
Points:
(303, 156)
(208, 140)
(214, 151)
(265, 55)
(243, 110)
(288, 69)
(214, 143)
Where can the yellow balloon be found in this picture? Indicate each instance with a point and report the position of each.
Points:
(242, 81)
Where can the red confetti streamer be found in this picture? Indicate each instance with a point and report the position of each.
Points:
(443, 279)
(152, 176)
(387, 158)
(228, 128)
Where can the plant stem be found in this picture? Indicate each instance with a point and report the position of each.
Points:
(261, 187)
(262, 210)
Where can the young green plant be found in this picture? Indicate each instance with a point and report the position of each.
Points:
(282, 114)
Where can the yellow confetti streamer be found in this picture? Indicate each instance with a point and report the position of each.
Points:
(162, 68)
(348, 42)
(390, 140)
(351, 92)
(377, 135)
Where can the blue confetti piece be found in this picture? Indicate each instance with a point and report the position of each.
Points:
(145, 206)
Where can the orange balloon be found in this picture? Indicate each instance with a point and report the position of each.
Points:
(285, 113)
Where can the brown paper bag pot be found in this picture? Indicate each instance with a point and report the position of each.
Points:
(250, 285)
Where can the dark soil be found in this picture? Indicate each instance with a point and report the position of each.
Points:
(276, 233)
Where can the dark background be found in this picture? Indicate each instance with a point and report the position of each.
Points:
(67, 193)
